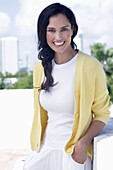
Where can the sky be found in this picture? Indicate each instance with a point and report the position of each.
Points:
(19, 18)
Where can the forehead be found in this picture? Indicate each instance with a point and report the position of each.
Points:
(58, 20)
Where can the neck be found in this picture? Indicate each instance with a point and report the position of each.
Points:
(61, 58)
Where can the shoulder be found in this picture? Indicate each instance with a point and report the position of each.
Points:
(38, 67)
(89, 62)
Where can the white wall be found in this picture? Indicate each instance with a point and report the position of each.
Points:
(16, 115)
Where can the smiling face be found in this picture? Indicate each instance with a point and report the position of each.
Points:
(59, 33)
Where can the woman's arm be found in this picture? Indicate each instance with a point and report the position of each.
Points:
(80, 150)
(100, 110)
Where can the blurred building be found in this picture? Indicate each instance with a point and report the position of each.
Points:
(10, 81)
(79, 40)
(9, 55)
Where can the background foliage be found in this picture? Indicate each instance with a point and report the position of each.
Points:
(24, 80)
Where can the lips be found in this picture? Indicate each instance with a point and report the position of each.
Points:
(59, 43)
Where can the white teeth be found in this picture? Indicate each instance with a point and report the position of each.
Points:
(56, 43)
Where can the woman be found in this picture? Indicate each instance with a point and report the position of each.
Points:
(71, 106)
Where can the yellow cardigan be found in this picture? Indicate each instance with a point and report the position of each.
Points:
(91, 101)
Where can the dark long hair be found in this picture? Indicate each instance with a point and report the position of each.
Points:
(46, 54)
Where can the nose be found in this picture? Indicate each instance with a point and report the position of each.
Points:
(58, 36)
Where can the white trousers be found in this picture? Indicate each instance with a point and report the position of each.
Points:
(49, 158)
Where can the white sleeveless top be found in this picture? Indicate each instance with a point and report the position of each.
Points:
(59, 103)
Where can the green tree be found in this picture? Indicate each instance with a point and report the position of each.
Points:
(9, 75)
(109, 71)
(2, 85)
(98, 51)
(25, 81)
(21, 74)
(109, 53)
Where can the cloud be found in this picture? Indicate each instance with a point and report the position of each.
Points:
(26, 19)
(5, 23)
(95, 20)
(93, 17)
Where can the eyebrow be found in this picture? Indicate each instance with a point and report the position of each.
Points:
(60, 28)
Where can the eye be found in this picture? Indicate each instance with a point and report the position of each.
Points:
(51, 30)
(64, 29)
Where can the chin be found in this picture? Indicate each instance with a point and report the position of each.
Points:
(56, 50)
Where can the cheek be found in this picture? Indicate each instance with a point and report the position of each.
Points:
(68, 36)
(49, 37)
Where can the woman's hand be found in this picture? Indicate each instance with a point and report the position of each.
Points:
(80, 150)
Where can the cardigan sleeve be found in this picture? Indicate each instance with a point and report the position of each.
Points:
(101, 104)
